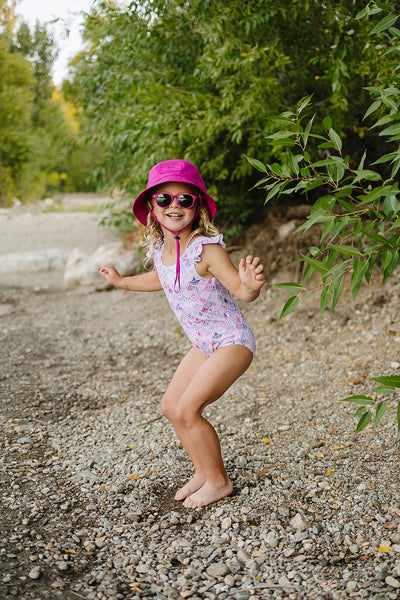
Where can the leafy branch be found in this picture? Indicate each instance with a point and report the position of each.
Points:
(358, 208)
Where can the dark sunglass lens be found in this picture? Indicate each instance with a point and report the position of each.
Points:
(185, 200)
(163, 200)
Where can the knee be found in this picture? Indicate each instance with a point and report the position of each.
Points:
(184, 415)
(167, 408)
(178, 413)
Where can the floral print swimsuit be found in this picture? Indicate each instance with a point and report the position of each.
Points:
(203, 306)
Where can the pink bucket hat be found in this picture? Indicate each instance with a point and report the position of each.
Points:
(169, 171)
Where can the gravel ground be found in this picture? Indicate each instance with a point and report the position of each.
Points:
(90, 467)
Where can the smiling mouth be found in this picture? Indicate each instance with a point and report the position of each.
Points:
(174, 215)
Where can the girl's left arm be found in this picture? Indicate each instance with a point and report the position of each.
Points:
(244, 283)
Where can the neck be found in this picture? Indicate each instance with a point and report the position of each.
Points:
(170, 239)
(176, 236)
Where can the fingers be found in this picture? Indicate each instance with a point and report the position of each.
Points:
(107, 271)
(253, 262)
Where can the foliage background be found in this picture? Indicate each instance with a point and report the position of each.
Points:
(200, 80)
(168, 78)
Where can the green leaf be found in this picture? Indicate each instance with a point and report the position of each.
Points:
(367, 175)
(360, 15)
(337, 142)
(357, 277)
(276, 169)
(326, 295)
(304, 102)
(307, 130)
(384, 389)
(308, 271)
(280, 134)
(375, 194)
(391, 205)
(290, 286)
(346, 250)
(391, 380)
(257, 164)
(359, 399)
(273, 192)
(327, 122)
(362, 161)
(289, 306)
(392, 130)
(374, 106)
(363, 422)
(384, 5)
(337, 293)
(317, 265)
(280, 120)
(380, 411)
(293, 164)
(384, 23)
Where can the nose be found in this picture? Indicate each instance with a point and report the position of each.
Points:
(174, 203)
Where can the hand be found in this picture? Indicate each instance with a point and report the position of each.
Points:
(111, 275)
(251, 273)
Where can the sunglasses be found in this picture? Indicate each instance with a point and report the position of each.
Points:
(184, 200)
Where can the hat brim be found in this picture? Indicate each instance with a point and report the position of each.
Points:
(140, 209)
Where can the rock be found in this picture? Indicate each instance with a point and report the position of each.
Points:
(35, 261)
(272, 539)
(284, 582)
(35, 573)
(242, 556)
(143, 569)
(286, 229)
(297, 521)
(218, 569)
(81, 269)
(24, 440)
(226, 523)
(392, 581)
(351, 585)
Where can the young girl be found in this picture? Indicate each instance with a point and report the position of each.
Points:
(195, 272)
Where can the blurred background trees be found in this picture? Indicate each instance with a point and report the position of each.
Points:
(40, 143)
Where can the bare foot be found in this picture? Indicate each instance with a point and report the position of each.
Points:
(192, 486)
(208, 494)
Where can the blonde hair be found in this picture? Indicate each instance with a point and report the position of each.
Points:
(154, 236)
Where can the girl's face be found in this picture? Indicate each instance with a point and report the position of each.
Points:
(174, 217)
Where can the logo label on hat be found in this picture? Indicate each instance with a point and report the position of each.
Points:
(171, 167)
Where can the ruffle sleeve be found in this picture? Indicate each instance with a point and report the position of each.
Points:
(152, 252)
(194, 251)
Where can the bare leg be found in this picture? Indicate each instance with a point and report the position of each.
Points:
(207, 383)
(181, 379)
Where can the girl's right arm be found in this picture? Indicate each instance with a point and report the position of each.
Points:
(145, 282)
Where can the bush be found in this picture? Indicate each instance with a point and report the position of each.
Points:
(358, 205)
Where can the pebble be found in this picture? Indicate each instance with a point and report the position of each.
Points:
(92, 466)
(35, 573)
(394, 583)
(217, 570)
(272, 539)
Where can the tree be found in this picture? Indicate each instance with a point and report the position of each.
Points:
(35, 133)
(358, 206)
(169, 78)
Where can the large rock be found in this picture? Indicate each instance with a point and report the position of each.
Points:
(34, 261)
(81, 269)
